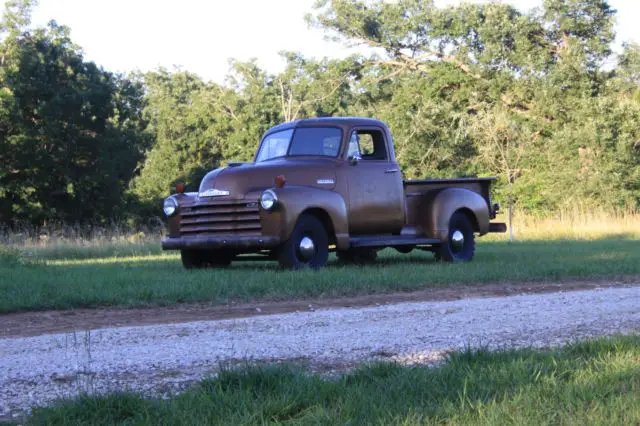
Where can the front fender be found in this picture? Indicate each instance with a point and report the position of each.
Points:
(293, 200)
(444, 203)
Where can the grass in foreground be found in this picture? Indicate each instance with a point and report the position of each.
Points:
(596, 382)
(142, 275)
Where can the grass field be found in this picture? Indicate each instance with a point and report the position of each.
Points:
(139, 275)
(594, 382)
(133, 271)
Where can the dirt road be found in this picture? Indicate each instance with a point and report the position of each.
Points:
(165, 357)
(69, 320)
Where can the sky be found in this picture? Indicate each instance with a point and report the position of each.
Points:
(202, 35)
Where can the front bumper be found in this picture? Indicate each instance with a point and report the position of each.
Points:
(223, 242)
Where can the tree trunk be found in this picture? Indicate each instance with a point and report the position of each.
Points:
(510, 210)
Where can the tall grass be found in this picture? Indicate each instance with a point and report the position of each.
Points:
(574, 224)
(84, 235)
(65, 241)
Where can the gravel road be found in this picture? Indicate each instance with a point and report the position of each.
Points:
(158, 359)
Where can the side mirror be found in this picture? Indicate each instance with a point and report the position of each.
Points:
(354, 159)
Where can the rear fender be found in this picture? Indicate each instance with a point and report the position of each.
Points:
(437, 211)
(293, 200)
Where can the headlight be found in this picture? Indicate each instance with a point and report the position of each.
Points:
(268, 199)
(170, 206)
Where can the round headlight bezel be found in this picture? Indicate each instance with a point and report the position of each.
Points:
(268, 200)
(170, 207)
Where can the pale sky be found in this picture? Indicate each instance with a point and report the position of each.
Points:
(201, 35)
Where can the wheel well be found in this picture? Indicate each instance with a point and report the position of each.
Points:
(323, 217)
(471, 216)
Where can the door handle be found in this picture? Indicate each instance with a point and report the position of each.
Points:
(391, 170)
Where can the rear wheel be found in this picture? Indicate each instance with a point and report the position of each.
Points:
(307, 246)
(460, 244)
(196, 259)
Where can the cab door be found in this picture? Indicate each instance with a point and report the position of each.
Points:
(376, 193)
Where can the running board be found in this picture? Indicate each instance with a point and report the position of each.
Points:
(392, 241)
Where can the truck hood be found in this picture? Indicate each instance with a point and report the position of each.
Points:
(243, 180)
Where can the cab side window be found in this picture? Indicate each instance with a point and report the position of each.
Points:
(367, 144)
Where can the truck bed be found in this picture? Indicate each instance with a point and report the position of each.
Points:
(417, 187)
(448, 180)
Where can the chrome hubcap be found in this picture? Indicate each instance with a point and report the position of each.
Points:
(306, 249)
(457, 241)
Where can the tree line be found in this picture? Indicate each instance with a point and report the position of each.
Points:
(538, 99)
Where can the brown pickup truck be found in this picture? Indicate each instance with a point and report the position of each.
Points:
(320, 185)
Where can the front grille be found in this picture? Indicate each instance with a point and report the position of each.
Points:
(231, 217)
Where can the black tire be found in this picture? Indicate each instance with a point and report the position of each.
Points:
(357, 256)
(197, 259)
(292, 256)
(450, 251)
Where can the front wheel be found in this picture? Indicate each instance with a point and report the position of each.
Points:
(460, 244)
(307, 246)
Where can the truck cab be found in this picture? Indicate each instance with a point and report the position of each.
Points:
(320, 185)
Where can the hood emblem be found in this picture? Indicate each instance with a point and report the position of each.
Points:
(213, 193)
(325, 181)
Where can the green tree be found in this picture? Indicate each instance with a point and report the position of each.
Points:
(503, 142)
(457, 83)
(199, 126)
(180, 111)
(311, 88)
(628, 70)
(467, 90)
(70, 133)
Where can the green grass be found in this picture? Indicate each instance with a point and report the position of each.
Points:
(138, 275)
(593, 382)
(93, 251)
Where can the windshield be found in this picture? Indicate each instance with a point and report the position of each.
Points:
(322, 141)
(275, 145)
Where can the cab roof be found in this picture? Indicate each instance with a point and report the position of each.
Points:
(343, 122)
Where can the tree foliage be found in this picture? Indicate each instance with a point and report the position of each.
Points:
(474, 89)
(70, 132)
(486, 80)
